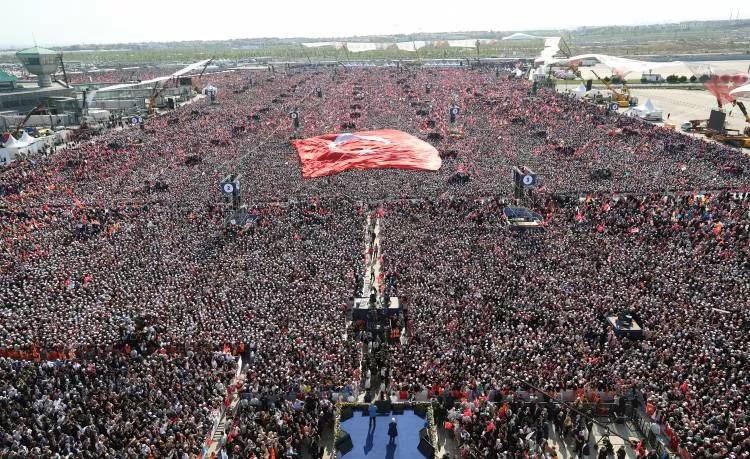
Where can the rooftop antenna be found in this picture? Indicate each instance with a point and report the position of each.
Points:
(33, 38)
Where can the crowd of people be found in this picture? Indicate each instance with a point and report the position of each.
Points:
(117, 248)
(111, 405)
(530, 311)
(267, 427)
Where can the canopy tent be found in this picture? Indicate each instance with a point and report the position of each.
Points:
(11, 149)
(26, 139)
(31, 144)
(14, 147)
(10, 142)
(647, 111)
(742, 91)
(579, 91)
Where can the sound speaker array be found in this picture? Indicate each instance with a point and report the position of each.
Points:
(344, 442)
(425, 445)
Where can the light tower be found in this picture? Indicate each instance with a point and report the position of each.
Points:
(40, 62)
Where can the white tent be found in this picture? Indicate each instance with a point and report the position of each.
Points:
(26, 138)
(9, 151)
(11, 142)
(647, 111)
(741, 91)
(579, 91)
(31, 144)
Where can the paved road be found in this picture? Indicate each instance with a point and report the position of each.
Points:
(686, 105)
(683, 105)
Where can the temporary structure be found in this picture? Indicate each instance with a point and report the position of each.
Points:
(579, 91)
(647, 111)
(30, 144)
(741, 91)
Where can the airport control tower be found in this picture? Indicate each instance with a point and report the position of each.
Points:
(40, 62)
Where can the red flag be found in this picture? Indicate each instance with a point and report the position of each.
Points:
(333, 153)
(721, 85)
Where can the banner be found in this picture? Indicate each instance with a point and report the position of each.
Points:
(721, 86)
(382, 149)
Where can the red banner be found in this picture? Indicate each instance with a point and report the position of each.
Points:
(721, 85)
(382, 149)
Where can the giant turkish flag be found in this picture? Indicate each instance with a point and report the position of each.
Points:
(386, 148)
(721, 85)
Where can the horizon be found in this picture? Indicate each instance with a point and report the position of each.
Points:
(334, 20)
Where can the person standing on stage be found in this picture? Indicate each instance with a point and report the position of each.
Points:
(373, 411)
(392, 431)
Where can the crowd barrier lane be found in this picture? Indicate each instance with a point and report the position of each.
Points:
(238, 373)
(659, 442)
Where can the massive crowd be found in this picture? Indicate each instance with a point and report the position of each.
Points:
(517, 311)
(114, 258)
(113, 405)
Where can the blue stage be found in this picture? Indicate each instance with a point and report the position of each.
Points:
(375, 444)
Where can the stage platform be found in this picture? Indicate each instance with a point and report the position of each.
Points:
(371, 444)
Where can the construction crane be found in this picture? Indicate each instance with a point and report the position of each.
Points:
(623, 99)
(196, 88)
(26, 118)
(129, 78)
(65, 75)
(155, 93)
(564, 48)
(205, 67)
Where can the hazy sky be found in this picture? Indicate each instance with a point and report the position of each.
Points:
(65, 22)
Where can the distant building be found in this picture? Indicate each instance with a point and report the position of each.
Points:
(7, 81)
(652, 78)
(21, 96)
(41, 62)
